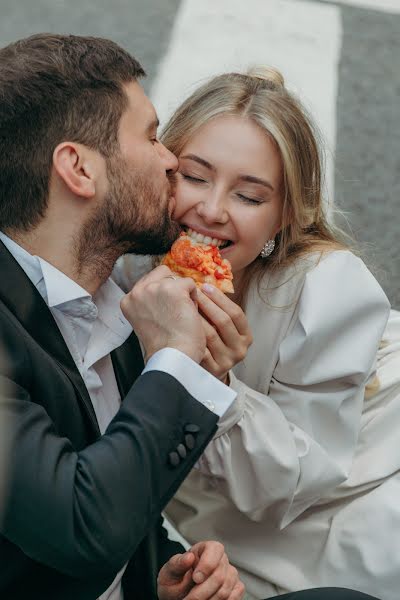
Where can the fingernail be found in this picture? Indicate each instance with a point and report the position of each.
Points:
(208, 288)
(198, 577)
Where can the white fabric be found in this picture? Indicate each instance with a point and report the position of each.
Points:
(302, 481)
(211, 392)
(94, 327)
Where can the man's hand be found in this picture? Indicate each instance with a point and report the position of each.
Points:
(163, 312)
(202, 573)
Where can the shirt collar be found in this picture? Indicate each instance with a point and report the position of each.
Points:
(54, 286)
(61, 292)
(59, 287)
(108, 298)
(30, 264)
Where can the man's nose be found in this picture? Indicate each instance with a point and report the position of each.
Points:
(169, 159)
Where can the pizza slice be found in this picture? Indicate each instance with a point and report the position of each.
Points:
(201, 262)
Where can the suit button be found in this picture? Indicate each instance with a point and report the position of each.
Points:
(181, 450)
(191, 428)
(174, 459)
(190, 441)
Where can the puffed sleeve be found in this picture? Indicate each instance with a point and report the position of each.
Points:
(275, 455)
(129, 268)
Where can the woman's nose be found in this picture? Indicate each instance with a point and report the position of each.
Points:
(213, 209)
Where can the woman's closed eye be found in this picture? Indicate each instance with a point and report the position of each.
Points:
(192, 178)
(249, 199)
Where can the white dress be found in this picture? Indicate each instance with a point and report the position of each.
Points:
(302, 481)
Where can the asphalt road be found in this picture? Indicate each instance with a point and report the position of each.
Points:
(342, 57)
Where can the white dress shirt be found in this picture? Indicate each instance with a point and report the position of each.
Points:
(92, 327)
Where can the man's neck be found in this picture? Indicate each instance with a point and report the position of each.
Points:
(61, 253)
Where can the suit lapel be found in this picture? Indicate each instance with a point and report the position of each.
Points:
(22, 298)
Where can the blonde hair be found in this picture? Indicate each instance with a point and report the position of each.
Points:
(261, 95)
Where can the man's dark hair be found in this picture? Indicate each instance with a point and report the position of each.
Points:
(55, 88)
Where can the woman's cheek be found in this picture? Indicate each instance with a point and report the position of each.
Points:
(179, 197)
(188, 196)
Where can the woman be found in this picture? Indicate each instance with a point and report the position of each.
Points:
(301, 482)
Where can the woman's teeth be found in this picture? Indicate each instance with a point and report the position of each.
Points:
(205, 239)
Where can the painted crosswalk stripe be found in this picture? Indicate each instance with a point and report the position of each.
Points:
(302, 39)
(391, 6)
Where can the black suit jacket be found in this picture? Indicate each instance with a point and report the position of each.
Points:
(77, 506)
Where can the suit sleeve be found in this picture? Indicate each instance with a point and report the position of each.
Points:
(166, 546)
(84, 513)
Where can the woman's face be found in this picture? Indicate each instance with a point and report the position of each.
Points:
(229, 188)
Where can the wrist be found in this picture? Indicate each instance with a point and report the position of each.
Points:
(185, 348)
(188, 349)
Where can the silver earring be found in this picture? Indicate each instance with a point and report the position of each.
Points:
(268, 248)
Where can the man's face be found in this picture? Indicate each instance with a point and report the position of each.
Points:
(135, 214)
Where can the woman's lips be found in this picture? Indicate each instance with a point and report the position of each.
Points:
(226, 250)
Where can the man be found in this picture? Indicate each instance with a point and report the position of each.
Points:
(83, 180)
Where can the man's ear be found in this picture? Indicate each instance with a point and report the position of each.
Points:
(74, 164)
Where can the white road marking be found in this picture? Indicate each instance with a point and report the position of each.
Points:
(302, 39)
(391, 6)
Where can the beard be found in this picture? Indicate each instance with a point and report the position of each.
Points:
(132, 219)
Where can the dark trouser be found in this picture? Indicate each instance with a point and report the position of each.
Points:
(326, 594)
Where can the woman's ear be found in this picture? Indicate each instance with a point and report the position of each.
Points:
(74, 164)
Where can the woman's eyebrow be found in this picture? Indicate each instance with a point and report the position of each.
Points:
(199, 160)
(252, 179)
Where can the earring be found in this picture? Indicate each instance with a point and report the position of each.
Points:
(268, 248)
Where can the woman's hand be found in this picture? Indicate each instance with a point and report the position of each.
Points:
(227, 332)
